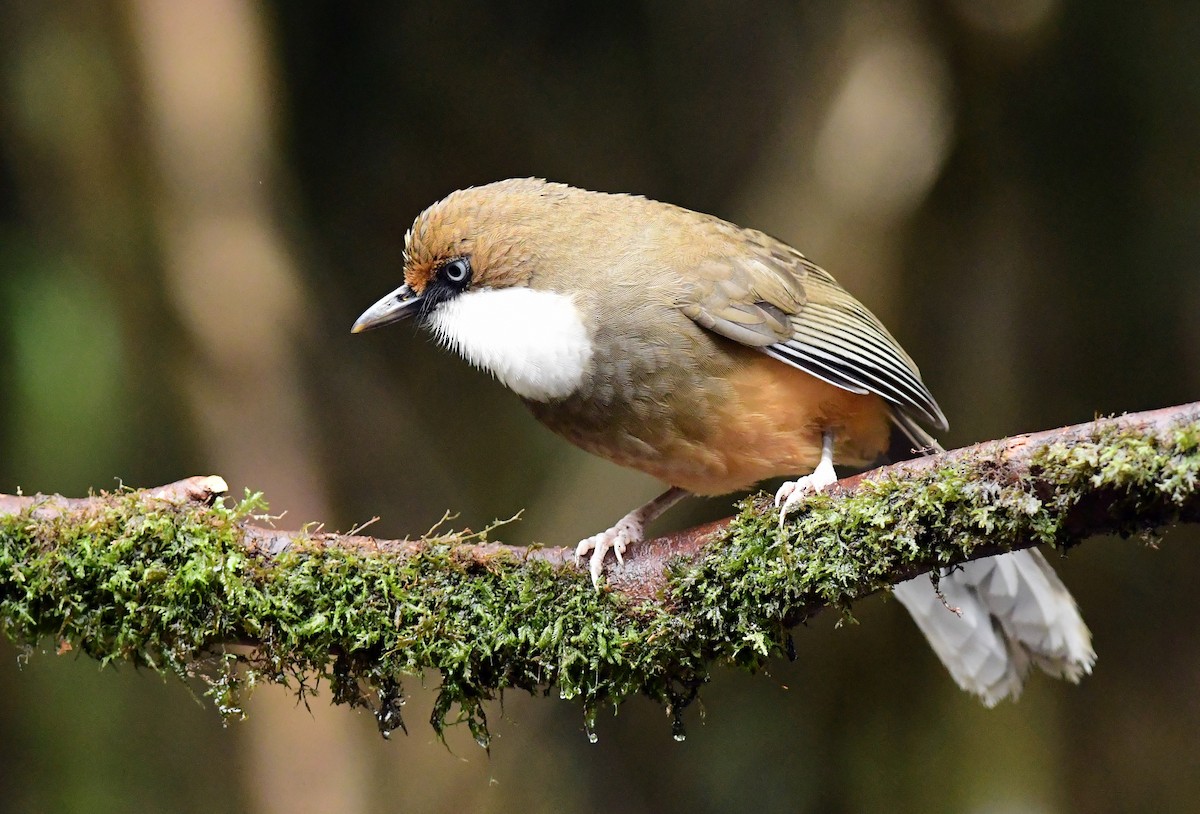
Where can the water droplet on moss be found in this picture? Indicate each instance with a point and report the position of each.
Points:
(677, 730)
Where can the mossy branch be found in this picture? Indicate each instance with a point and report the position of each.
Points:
(174, 579)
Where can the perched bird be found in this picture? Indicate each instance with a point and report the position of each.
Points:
(711, 357)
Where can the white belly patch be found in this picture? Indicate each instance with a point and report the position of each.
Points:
(533, 341)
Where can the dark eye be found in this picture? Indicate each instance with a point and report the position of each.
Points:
(457, 272)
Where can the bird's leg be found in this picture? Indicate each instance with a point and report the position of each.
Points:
(625, 532)
(794, 491)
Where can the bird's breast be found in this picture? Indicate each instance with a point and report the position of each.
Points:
(709, 415)
(533, 341)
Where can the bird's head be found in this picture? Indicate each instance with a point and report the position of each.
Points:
(475, 273)
(480, 238)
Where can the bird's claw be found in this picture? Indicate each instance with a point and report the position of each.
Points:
(616, 539)
(792, 492)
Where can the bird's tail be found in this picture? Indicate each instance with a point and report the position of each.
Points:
(990, 619)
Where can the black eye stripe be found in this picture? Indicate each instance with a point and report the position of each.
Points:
(449, 280)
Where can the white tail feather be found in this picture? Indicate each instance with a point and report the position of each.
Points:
(995, 617)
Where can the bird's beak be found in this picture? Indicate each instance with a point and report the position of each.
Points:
(400, 304)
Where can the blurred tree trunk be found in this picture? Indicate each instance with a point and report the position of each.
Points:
(210, 88)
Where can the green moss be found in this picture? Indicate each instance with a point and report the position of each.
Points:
(170, 587)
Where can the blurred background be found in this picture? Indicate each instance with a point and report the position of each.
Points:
(197, 198)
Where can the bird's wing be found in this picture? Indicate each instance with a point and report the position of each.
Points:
(745, 299)
(768, 296)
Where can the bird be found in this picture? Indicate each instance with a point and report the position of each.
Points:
(712, 357)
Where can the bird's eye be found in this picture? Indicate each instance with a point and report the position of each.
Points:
(457, 272)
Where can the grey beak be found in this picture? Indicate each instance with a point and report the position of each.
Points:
(400, 304)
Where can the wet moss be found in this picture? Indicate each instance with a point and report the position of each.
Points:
(172, 587)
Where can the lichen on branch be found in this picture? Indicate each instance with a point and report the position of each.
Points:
(177, 580)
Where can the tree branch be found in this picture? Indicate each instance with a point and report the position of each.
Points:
(174, 579)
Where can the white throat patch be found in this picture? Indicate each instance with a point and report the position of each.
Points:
(533, 341)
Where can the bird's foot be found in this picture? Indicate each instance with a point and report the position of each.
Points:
(627, 531)
(792, 492)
